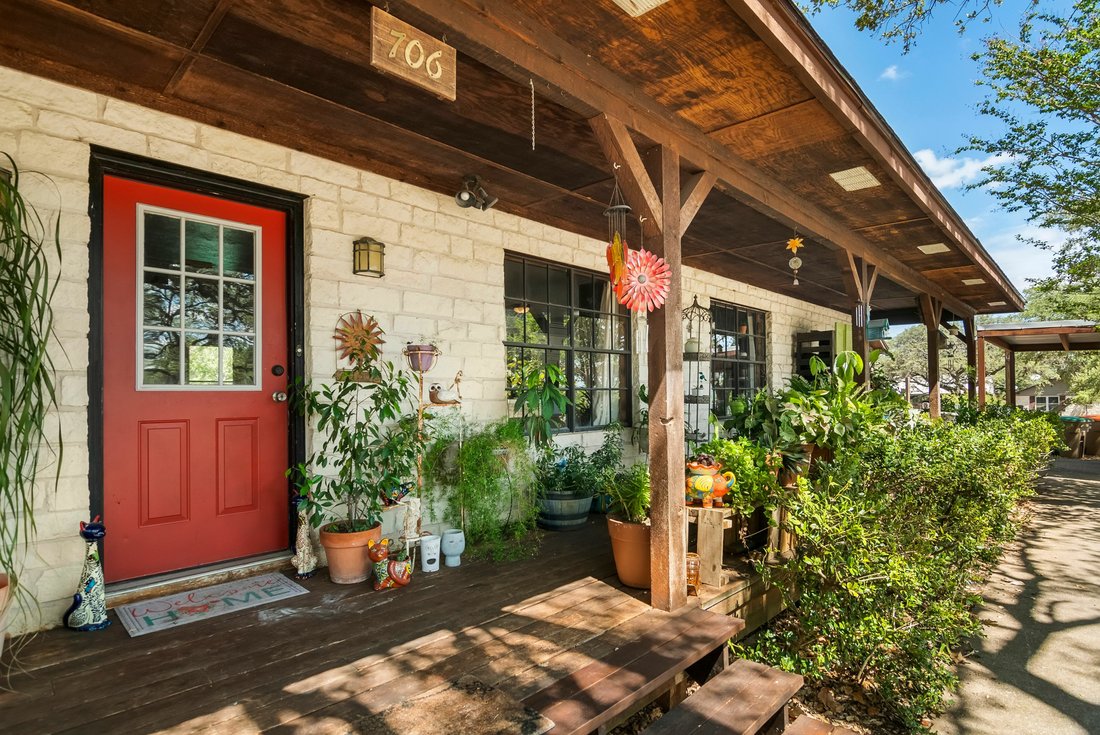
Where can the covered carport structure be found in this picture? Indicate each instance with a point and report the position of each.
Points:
(1055, 336)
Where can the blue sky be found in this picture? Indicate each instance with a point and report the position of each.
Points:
(929, 97)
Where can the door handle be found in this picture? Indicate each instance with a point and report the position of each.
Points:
(278, 396)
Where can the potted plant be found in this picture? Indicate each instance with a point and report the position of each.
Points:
(568, 478)
(628, 525)
(368, 446)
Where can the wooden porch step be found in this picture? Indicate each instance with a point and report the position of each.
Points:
(690, 640)
(806, 725)
(744, 699)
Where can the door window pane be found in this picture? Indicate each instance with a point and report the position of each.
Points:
(160, 358)
(162, 241)
(201, 243)
(239, 254)
(199, 299)
(739, 357)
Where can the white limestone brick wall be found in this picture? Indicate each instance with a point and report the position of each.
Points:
(444, 273)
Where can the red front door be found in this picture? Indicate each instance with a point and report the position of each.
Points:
(194, 350)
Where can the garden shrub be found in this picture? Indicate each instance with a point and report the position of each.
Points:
(894, 537)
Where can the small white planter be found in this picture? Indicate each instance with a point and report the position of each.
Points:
(452, 545)
(429, 553)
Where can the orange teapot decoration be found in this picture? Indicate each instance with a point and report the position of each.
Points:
(706, 482)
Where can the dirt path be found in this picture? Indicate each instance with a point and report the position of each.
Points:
(1037, 671)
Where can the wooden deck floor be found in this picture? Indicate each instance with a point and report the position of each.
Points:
(323, 661)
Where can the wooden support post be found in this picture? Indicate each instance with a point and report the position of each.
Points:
(668, 534)
(859, 281)
(931, 310)
(1010, 378)
(971, 337)
(654, 192)
(980, 344)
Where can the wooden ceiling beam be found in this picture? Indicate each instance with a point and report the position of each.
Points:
(621, 152)
(1064, 339)
(1032, 331)
(502, 37)
(787, 36)
(997, 341)
(1073, 347)
(695, 192)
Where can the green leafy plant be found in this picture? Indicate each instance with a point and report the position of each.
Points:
(369, 444)
(629, 491)
(490, 483)
(572, 471)
(541, 399)
(893, 537)
(28, 252)
(754, 484)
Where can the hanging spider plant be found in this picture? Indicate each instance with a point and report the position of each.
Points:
(27, 390)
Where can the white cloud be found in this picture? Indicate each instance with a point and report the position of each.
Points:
(950, 173)
(892, 74)
(1020, 261)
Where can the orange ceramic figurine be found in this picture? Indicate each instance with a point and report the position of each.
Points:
(388, 572)
(706, 482)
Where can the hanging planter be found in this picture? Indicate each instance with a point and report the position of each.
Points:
(647, 281)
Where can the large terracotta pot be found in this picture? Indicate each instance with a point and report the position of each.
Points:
(348, 560)
(630, 547)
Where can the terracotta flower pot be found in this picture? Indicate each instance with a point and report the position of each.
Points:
(630, 547)
(348, 561)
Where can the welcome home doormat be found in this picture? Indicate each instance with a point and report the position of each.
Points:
(172, 611)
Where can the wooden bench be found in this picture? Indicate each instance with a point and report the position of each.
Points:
(689, 641)
(807, 725)
(746, 698)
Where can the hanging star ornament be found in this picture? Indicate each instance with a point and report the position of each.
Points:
(795, 243)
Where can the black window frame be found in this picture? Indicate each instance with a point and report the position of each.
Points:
(750, 351)
(619, 319)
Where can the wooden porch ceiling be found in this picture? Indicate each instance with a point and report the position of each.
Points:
(297, 73)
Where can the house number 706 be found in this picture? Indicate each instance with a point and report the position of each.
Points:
(415, 57)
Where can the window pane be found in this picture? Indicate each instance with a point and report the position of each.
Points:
(515, 371)
(582, 291)
(600, 370)
(162, 241)
(239, 360)
(582, 370)
(582, 408)
(201, 243)
(202, 303)
(201, 358)
(538, 325)
(160, 358)
(603, 332)
(620, 371)
(536, 282)
(239, 254)
(161, 300)
(559, 326)
(513, 322)
(583, 324)
(621, 336)
(238, 307)
(625, 412)
(513, 280)
(559, 286)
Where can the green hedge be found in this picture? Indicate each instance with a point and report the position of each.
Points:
(894, 537)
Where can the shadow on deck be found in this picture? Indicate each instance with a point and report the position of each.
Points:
(328, 660)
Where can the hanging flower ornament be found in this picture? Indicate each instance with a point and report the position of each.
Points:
(647, 281)
(795, 263)
(794, 244)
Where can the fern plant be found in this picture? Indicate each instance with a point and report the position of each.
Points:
(28, 251)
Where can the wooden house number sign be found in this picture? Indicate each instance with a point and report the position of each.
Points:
(399, 49)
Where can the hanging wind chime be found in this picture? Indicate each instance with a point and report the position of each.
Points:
(641, 279)
(795, 262)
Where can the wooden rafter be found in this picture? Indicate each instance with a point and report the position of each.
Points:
(621, 152)
(695, 192)
(499, 35)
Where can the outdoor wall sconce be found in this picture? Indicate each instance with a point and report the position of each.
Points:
(473, 194)
(368, 257)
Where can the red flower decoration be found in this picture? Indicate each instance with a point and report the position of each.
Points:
(646, 282)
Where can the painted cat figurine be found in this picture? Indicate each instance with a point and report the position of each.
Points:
(388, 572)
(89, 608)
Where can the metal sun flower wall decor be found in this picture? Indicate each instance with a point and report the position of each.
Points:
(795, 262)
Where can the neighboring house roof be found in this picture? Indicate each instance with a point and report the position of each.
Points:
(1051, 336)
